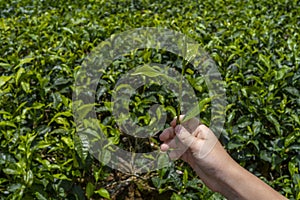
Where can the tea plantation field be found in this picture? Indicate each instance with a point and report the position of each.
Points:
(43, 43)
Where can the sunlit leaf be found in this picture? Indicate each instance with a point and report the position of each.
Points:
(103, 193)
(4, 80)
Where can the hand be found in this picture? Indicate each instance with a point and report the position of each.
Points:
(197, 145)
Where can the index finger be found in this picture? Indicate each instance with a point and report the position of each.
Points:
(167, 134)
(174, 121)
(190, 124)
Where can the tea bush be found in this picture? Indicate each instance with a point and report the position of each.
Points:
(255, 45)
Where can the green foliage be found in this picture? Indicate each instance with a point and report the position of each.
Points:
(43, 43)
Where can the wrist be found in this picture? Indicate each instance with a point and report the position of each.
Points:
(217, 173)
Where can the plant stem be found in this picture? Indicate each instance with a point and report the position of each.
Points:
(180, 92)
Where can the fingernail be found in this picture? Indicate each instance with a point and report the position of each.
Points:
(178, 129)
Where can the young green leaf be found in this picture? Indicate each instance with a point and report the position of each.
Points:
(147, 70)
(4, 80)
(90, 188)
(103, 192)
(196, 110)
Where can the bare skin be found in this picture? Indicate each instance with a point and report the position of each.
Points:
(197, 145)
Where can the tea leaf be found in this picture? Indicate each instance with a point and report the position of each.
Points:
(147, 70)
(4, 80)
(196, 110)
(103, 193)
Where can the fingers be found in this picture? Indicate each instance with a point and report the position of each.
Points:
(177, 144)
(174, 121)
(184, 136)
(199, 139)
(201, 132)
(164, 147)
(189, 125)
(171, 137)
(174, 147)
(167, 134)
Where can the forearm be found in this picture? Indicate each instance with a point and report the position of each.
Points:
(234, 182)
(248, 186)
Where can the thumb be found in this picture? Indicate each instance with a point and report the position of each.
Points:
(185, 137)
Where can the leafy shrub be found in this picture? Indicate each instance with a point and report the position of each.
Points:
(43, 43)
